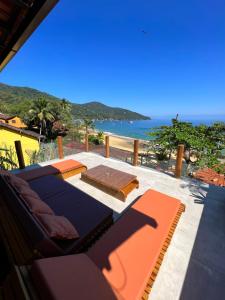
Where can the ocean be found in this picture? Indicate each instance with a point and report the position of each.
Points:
(139, 129)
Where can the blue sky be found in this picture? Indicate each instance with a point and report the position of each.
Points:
(97, 51)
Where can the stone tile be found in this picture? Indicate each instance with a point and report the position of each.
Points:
(194, 265)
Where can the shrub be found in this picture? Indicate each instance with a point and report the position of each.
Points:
(96, 139)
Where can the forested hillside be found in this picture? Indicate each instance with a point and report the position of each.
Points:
(14, 99)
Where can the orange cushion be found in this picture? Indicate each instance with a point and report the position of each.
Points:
(70, 277)
(54, 169)
(67, 165)
(129, 250)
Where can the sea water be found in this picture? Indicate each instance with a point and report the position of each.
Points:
(140, 129)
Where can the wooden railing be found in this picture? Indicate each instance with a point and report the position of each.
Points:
(19, 153)
(107, 152)
(179, 158)
(60, 147)
(179, 161)
(136, 148)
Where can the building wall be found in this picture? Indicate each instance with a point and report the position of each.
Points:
(29, 144)
(16, 122)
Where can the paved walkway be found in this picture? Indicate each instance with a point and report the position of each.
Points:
(194, 265)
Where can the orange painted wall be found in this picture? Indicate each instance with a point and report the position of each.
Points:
(16, 122)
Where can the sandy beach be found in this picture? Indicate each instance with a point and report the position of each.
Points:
(122, 142)
(126, 143)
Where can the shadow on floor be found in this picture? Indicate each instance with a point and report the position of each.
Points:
(205, 277)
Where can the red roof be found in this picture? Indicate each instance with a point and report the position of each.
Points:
(210, 176)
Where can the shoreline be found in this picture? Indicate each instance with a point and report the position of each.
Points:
(123, 142)
(123, 136)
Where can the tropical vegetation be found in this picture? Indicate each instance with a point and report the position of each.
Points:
(87, 124)
(15, 99)
(96, 139)
(202, 144)
(7, 158)
(48, 118)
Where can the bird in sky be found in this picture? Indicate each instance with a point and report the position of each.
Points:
(143, 31)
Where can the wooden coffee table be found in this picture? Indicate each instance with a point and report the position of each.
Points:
(116, 183)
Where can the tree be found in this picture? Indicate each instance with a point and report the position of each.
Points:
(65, 109)
(88, 124)
(3, 107)
(50, 117)
(65, 105)
(40, 114)
(202, 144)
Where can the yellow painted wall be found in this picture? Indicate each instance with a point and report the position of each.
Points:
(16, 122)
(29, 144)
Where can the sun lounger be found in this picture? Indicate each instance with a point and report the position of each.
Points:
(123, 263)
(62, 169)
(131, 252)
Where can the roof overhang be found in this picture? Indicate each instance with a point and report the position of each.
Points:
(18, 20)
(20, 131)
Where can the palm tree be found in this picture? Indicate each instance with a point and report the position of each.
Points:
(41, 115)
(65, 112)
(88, 124)
(65, 105)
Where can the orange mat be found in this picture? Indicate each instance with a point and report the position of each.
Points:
(69, 167)
(131, 251)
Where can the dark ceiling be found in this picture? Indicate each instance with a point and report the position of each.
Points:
(18, 19)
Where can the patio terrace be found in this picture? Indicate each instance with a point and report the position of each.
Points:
(193, 267)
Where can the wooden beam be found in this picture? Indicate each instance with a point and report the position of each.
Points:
(31, 21)
(136, 146)
(60, 147)
(107, 146)
(19, 153)
(179, 161)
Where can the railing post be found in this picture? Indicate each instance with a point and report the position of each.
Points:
(19, 153)
(86, 143)
(60, 147)
(107, 146)
(179, 161)
(136, 146)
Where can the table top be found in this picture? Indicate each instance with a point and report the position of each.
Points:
(109, 177)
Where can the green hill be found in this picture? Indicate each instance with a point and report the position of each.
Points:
(13, 98)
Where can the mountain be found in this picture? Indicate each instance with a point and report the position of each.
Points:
(12, 97)
(99, 111)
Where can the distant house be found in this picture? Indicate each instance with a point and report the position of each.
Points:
(12, 120)
(29, 140)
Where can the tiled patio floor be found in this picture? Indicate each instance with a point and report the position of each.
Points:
(194, 266)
